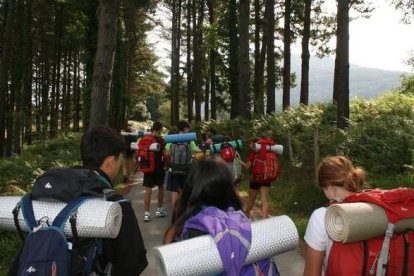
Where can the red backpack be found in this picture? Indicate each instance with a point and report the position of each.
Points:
(265, 167)
(227, 152)
(362, 257)
(146, 157)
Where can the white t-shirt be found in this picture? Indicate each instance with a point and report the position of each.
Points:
(316, 236)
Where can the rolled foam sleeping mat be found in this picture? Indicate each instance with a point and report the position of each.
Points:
(96, 218)
(199, 256)
(181, 137)
(351, 222)
(237, 144)
(274, 148)
(136, 135)
(152, 147)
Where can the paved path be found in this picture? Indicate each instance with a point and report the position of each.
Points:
(289, 264)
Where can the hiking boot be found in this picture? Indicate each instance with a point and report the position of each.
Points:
(160, 213)
(147, 217)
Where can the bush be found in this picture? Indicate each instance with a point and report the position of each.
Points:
(9, 246)
(21, 171)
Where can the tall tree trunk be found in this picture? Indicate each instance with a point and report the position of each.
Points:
(341, 77)
(198, 57)
(213, 57)
(27, 78)
(207, 98)
(286, 55)
(258, 102)
(119, 81)
(37, 99)
(270, 48)
(4, 70)
(104, 62)
(175, 61)
(244, 62)
(68, 100)
(44, 80)
(64, 90)
(55, 95)
(76, 93)
(190, 89)
(18, 78)
(304, 82)
(91, 10)
(233, 57)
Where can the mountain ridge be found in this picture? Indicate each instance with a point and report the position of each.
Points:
(364, 82)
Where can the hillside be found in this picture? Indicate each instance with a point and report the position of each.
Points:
(364, 82)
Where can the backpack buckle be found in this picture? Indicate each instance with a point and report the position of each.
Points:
(42, 223)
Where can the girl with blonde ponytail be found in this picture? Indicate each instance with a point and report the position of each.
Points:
(338, 179)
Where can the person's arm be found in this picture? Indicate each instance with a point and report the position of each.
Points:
(169, 235)
(246, 165)
(249, 161)
(316, 240)
(314, 261)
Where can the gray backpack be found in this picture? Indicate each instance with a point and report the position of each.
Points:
(181, 157)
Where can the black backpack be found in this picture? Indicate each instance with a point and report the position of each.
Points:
(46, 250)
(65, 184)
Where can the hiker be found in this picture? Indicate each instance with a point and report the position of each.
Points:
(154, 176)
(180, 155)
(229, 153)
(213, 137)
(259, 181)
(101, 151)
(338, 179)
(202, 210)
(129, 160)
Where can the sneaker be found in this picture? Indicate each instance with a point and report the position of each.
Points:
(147, 217)
(160, 213)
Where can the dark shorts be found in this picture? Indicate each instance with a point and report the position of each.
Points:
(175, 182)
(154, 179)
(256, 186)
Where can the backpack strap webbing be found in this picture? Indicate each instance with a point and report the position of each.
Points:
(27, 211)
(382, 265)
(365, 260)
(68, 211)
(406, 255)
(16, 220)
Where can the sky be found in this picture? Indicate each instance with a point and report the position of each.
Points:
(381, 41)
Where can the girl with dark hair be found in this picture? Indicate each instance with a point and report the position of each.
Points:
(209, 183)
(209, 204)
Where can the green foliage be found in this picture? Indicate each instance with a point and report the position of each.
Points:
(21, 171)
(381, 133)
(407, 83)
(392, 181)
(379, 138)
(9, 245)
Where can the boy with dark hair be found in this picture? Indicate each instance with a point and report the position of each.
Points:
(157, 177)
(101, 153)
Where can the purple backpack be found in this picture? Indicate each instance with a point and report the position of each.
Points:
(232, 233)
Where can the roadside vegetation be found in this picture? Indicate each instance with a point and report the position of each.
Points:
(380, 138)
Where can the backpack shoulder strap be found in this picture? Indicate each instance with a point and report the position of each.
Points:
(27, 211)
(68, 210)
